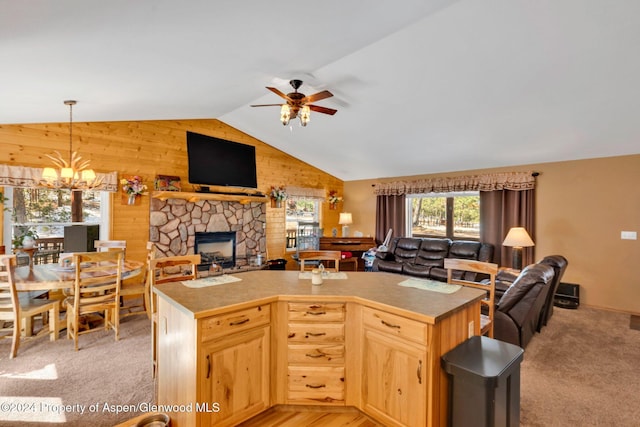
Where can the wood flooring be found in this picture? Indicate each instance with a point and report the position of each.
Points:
(297, 416)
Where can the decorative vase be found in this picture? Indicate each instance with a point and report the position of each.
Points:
(28, 242)
(132, 199)
(278, 203)
(332, 206)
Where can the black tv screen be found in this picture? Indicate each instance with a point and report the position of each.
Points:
(214, 161)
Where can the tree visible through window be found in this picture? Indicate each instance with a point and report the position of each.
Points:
(45, 212)
(452, 215)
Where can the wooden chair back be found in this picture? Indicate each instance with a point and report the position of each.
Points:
(139, 286)
(98, 277)
(9, 303)
(16, 316)
(109, 245)
(307, 256)
(480, 268)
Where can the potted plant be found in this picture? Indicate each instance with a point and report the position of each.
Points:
(277, 196)
(334, 199)
(24, 237)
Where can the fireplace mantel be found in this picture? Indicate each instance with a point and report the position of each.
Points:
(194, 197)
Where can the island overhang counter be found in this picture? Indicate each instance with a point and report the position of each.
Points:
(272, 338)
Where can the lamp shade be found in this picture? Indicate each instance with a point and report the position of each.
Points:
(345, 218)
(518, 237)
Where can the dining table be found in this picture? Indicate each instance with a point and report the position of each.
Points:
(49, 277)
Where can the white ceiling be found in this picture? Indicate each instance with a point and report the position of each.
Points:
(421, 86)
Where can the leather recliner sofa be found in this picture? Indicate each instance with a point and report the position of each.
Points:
(518, 312)
(505, 278)
(424, 257)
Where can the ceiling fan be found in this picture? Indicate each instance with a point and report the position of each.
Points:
(298, 104)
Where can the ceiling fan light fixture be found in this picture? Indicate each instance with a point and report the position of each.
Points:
(305, 115)
(285, 114)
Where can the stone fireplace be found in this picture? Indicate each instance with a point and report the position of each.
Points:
(174, 224)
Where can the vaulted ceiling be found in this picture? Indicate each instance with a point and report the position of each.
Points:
(420, 86)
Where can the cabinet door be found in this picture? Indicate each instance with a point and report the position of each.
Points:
(234, 375)
(394, 380)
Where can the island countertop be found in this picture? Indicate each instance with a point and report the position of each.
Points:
(374, 289)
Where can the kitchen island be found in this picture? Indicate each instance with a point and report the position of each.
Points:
(227, 352)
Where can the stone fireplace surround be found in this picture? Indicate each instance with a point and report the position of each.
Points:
(174, 222)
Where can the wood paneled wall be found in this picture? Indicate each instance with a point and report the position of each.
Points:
(150, 148)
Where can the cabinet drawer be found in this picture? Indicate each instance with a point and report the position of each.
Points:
(316, 385)
(216, 326)
(395, 325)
(315, 333)
(316, 354)
(324, 312)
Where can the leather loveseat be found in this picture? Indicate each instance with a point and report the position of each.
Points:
(518, 312)
(424, 257)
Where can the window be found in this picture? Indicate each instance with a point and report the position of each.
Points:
(452, 215)
(46, 212)
(300, 211)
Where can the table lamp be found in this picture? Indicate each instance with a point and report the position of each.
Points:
(517, 238)
(345, 220)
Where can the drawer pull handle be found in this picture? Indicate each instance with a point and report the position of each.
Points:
(389, 324)
(316, 355)
(419, 372)
(316, 313)
(311, 334)
(315, 385)
(208, 366)
(238, 322)
(315, 306)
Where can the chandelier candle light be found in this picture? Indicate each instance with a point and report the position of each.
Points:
(74, 174)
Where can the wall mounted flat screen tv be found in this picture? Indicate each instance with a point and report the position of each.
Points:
(215, 161)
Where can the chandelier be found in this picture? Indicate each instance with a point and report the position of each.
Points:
(74, 174)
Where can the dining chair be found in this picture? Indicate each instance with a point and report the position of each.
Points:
(17, 314)
(310, 258)
(108, 245)
(98, 277)
(481, 269)
(167, 270)
(138, 289)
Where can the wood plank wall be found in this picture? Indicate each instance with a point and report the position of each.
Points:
(150, 148)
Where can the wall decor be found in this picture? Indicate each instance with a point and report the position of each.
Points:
(167, 183)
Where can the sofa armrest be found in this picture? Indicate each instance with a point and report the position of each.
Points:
(385, 256)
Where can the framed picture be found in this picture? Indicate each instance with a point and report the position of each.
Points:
(167, 183)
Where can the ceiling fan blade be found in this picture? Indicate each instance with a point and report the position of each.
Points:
(317, 96)
(324, 110)
(279, 93)
(267, 105)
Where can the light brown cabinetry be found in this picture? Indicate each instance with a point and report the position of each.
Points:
(316, 353)
(216, 369)
(395, 376)
(236, 376)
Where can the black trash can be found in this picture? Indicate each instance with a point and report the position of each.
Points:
(484, 386)
(277, 264)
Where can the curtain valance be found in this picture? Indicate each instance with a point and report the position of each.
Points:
(21, 176)
(487, 182)
(304, 192)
